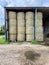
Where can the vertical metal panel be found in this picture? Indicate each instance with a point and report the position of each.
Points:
(6, 25)
(35, 23)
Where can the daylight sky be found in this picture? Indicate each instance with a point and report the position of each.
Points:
(20, 3)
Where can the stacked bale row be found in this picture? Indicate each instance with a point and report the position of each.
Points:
(39, 28)
(12, 26)
(29, 26)
(21, 26)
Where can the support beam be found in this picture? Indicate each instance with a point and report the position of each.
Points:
(35, 23)
(6, 25)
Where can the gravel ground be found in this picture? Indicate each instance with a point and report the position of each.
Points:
(14, 54)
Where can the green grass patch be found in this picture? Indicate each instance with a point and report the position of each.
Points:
(35, 42)
(3, 41)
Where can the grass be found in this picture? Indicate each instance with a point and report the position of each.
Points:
(3, 41)
(35, 42)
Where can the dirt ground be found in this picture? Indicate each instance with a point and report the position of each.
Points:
(24, 54)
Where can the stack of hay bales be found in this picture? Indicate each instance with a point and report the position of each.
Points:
(20, 26)
(29, 26)
(12, 26)
(39, 27)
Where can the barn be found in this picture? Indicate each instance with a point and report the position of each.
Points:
(26, 23)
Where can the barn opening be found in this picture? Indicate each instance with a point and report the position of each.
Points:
(40, 25)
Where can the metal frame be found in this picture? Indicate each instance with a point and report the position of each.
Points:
(23, 8)
(6, 25)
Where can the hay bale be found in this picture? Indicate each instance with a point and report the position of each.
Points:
(39, 22)
(21, 30)
(20, 19)
(29, 19)
(29, 15)
(12, 15)
(29, 37)
(21, 23)
(12, 22)
(12, 37)
(12, 29)
(20, 16)
(20, 37)
(39, 15)
(39, 29)
(39, 36)
(39, 33)
(30, 30)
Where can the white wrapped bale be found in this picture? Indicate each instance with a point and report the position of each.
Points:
(12, 15)
(29, 37)
(20, 37)
(29, 26)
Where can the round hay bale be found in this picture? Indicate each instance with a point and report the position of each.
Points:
(20, 37)
(29, 18)
(39, 15)
(20, 16)
(21, 30)
(29, 23)
(39, 23)
(29, 37)
(12, 37)
(12, 22)
(12, 15)
(21, 23)
(12, 29)
(39, 29)
(29, 15)
(30, 30)
(39, 33)
(39, 36)
(20, 19)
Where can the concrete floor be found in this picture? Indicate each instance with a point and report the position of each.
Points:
(13, 54)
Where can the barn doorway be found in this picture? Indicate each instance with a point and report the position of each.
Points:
(46, 26)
